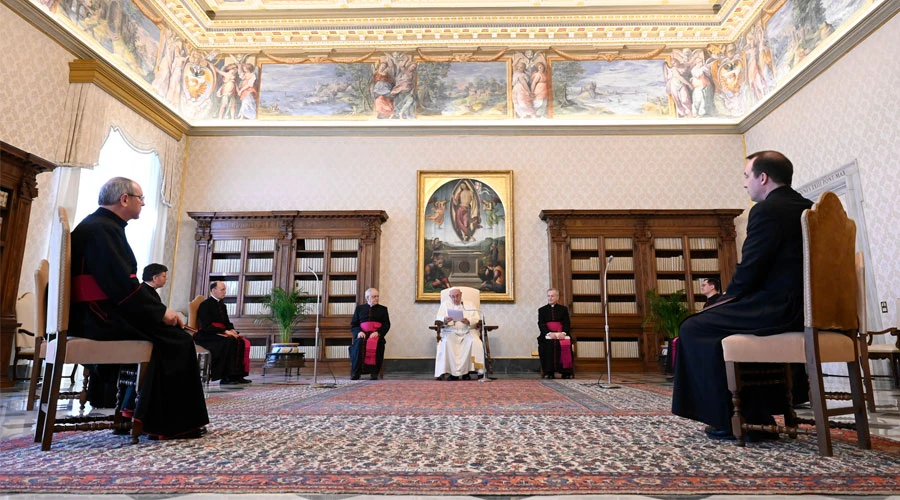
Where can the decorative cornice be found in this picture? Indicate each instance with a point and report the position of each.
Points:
(128, 93)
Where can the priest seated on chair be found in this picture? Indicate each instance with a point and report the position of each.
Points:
(460, 351)
(554, 343)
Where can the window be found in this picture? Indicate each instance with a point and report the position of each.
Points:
(120, 159)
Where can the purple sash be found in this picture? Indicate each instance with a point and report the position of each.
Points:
(565, 353)
(371, 348)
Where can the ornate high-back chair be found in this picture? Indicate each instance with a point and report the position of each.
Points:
(884, 344)
(62, 350)
(23, 348)
(203, 356)
(831, 312)
(471, 299)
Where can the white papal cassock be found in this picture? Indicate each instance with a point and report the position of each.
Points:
(460, 351)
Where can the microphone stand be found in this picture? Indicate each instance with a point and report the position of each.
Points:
(316, 383)
(608, 384)
(484, 351)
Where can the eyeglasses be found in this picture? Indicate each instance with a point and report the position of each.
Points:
(140, 197)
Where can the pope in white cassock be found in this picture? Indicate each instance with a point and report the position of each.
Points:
(460, 351)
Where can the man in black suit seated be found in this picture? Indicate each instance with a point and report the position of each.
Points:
(711, 288)
(370, 325)
(765, 297)
(216, 333)
(554, 345)
(154, 276)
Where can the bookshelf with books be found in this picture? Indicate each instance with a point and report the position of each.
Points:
(637, 250)
(330, 254)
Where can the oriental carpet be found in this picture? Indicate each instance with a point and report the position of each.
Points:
(422, 437)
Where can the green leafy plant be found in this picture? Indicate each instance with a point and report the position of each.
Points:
(666, 311)
(284, 309)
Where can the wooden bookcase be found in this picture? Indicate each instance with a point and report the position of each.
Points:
(334, 254)
(665, 250)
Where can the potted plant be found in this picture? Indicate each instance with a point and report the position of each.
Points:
(284, 309)
(666, 312)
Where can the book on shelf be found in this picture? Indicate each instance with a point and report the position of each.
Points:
(341, 308)
(259, 288)
(342, 287)
(343, 264)
(675, 263)
(227, 246)
(259, 265)
(345, 244)
(308, 287)
(620, 287)
(261, 245)
(669, 286)
(705, 265)
(618, 244)
(704, 244)
(583, 243)
(225, 266)
(667, 243)
(303, 264)
(311, 244)
(622, 264)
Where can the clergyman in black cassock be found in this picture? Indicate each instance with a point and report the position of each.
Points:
(108, 303)
(765, 297)
(549, 349)
(226, 352)
(374, 312)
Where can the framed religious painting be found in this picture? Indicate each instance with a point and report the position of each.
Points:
(464, 234)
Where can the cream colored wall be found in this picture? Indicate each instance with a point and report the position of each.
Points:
(852, 111)
(32, 99)
(346, 173)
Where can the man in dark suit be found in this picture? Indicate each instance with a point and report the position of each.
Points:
(216, 333)
(711, 288)
(155, 276)
(370, 321)
(553, 322)
(765, 297)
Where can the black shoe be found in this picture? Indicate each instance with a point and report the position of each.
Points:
(467, 377)
(719, 434)
(452, 377)
(229, 381)
(374, 377)
(550, 376)
(243, 380)
(354, 376)
(194, 434)
(568, 375)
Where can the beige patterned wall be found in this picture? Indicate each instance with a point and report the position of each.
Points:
(32, 99)
(852, 111)
(331, 173)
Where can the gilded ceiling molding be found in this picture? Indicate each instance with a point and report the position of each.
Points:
(318, 59)
(609, 56)
(123, 89)
(460, 57)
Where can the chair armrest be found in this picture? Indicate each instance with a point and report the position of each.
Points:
(890, 331)
(26, 332)
(437, 326)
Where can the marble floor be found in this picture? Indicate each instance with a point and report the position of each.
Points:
(17, 422)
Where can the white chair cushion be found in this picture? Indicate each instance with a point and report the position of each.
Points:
(786, 348)
(883, 348)
(101, 352)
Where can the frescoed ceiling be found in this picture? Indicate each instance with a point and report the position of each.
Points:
(630, 36)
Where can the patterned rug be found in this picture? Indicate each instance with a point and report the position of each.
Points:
(509, 437)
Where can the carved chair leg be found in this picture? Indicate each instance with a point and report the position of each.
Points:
(863, 439)
(790, 416)
(733, 374)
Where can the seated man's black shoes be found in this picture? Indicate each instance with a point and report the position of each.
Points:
(355, 376)
(718, 434)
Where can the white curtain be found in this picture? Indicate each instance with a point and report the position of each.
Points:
(91, 113)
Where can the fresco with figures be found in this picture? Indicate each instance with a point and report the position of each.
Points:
(722, 80)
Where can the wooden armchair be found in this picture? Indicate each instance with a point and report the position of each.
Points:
(471, 299)
(887, 348)
(23, 346)
(63, 349)
(204, 358)
(830, 334)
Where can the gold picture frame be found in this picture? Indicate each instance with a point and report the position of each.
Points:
(464, 235)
